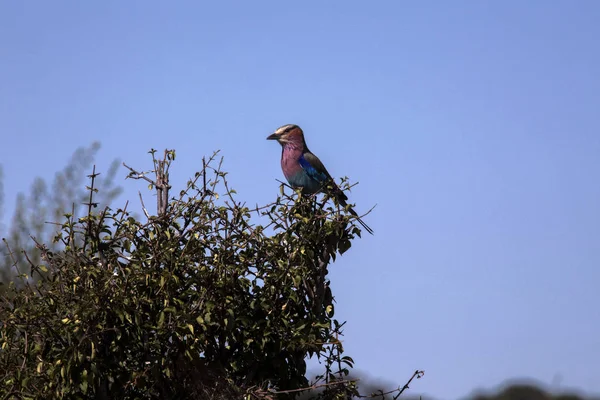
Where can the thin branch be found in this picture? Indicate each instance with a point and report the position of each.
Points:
(90, 204)
(343, 382)
(133, 174)
(417, 374)
(144, 206)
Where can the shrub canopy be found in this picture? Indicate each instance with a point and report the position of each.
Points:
(209, 298)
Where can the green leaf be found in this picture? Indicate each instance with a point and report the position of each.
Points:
(344, 245)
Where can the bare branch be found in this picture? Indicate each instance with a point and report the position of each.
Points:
(133, 174)
(143, 205)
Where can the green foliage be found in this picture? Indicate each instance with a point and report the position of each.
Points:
(207, 299)
(48, 202)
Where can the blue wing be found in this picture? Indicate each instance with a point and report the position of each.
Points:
(319, 177)
(314, 168)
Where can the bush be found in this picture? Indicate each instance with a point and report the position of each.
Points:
(208, 299)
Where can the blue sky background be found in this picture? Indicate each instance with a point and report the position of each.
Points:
(474, 125)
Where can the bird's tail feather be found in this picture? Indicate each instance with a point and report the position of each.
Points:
(360, 221)
(343, 203)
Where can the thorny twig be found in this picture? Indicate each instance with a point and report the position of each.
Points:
(90, 204)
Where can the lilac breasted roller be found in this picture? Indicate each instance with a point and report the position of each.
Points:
(303, 169)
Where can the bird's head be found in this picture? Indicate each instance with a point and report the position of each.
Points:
(289, 133)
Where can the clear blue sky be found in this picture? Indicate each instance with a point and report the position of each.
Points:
(474, 125)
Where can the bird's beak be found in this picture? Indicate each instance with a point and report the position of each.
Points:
(273, 136)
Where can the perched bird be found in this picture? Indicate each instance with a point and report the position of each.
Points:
(303, 169)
